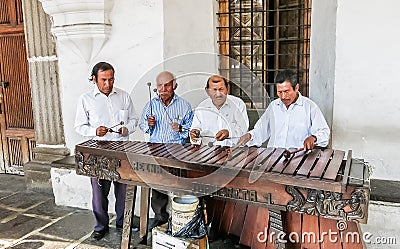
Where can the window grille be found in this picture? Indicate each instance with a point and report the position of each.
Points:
(266, 36)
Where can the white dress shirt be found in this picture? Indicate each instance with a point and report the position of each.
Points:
(232, 116)
(288, 128)
(95, 109)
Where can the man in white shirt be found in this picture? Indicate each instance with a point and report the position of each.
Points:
(222, 118)
(292, 121)
(97, 111)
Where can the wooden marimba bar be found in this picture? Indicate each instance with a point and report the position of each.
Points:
(320, 182)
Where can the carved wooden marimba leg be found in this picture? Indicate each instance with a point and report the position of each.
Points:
(144, 213)
(130, 198)
(276, 227)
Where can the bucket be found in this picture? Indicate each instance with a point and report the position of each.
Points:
(183, 208)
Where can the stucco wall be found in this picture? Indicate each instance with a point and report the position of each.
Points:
(190, 44)
(134, 47)
(366, 112)
(323, 55)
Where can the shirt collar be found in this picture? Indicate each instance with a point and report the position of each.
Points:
(174, 98)
(299, 101)
(210, 104)
(96, 91)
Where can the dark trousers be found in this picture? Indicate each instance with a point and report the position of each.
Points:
(100, 190)
(159, 202)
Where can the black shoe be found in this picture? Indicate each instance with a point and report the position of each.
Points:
(98, 235)
(133, 228)
(156, 223)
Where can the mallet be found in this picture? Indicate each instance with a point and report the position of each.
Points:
(151, 106)
(111, 130)
(288, 153)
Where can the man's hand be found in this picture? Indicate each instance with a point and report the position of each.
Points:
(123, 131)
(101, 131)
(221, 135)
(194, 135)
(309, 142)
(176, 127)
(244, 139)
(151, 121)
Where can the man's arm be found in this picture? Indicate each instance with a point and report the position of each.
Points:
(195, 128)
(133, 119)
(82, 125)
(144, 125)
(186, 122)
(240, 124)
(262, 128)
(319, 128)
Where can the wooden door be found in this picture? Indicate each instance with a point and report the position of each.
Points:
(16, 116)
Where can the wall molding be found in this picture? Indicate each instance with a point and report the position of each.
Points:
(82, 25)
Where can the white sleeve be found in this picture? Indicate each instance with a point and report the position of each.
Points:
(319, 127)
(82, 125)
(241, 122)
(262, 129)
(133, 117)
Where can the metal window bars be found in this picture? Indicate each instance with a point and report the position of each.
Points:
(266, 36)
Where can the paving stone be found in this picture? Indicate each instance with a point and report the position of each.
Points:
(20, 226)
(14, 182)
(42, 242)
(29, 199)
(74, 226)
(5, 213)
(50, 209)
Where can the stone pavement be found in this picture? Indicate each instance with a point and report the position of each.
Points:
(31, 220)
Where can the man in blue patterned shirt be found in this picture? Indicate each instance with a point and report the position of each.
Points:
(167, 119)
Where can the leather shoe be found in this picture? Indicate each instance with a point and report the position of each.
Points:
(156, 223)
(98, 235)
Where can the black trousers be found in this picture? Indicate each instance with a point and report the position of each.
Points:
(159, 202)
(100, 190)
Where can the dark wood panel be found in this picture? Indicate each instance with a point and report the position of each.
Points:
(293, 225)
(327, 227)
(310, 225)
(294, 163)
(217, 216)
(237, 222)
(261, 226)
(227, 217)
(322, 163)
(273, 159)
(236, 159)
(248, 225)
(334, 165)
(309, 162)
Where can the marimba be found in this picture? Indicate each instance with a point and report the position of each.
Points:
(322, 182)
